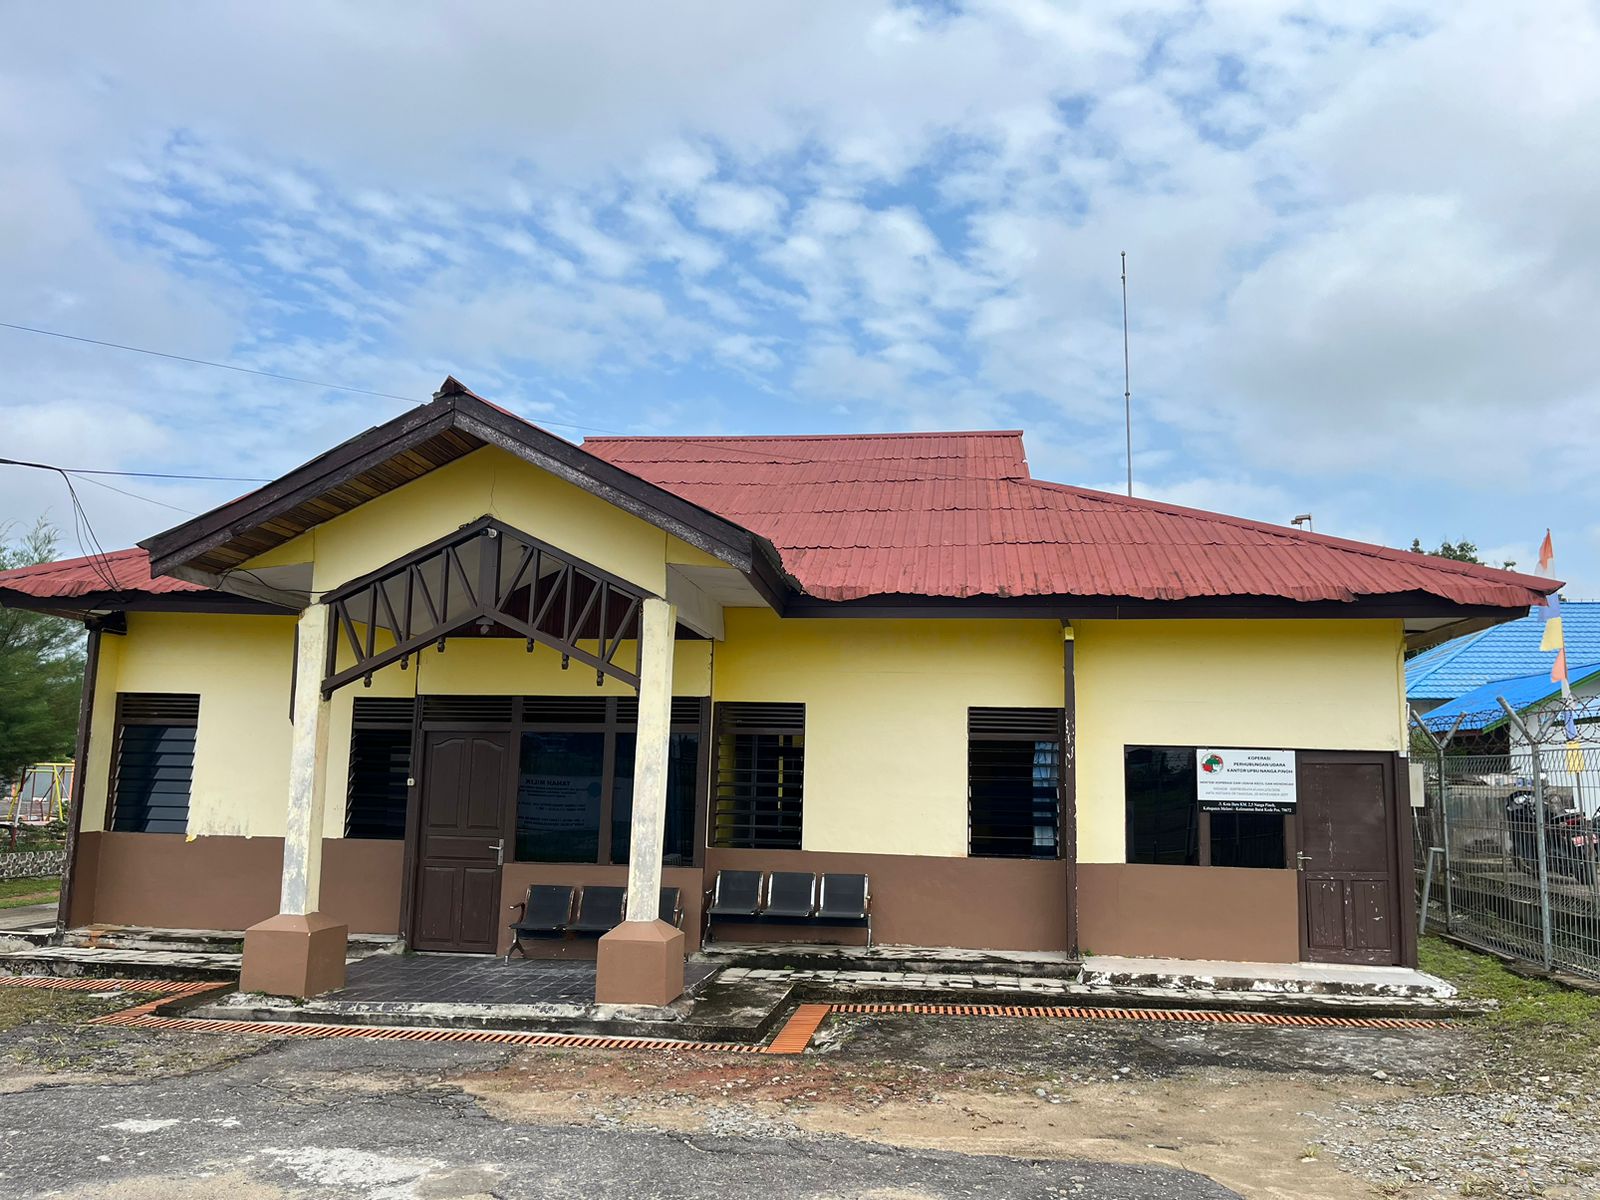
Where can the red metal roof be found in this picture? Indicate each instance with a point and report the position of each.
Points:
(958, 515)
(119, 571)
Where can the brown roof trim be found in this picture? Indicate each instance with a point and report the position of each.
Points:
(456, 408)
(83, 607)
(1067, 608)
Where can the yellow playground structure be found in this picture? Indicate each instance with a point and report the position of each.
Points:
(40, 796)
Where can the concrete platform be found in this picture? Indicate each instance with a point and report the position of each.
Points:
(887, 959)
(483, 992)
(1262, 979)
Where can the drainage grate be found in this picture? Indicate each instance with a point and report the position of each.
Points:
(170, 989)
(1145, 1014)
(141, 1018)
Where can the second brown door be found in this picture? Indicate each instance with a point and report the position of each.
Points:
(461, 843)
(1349, 906)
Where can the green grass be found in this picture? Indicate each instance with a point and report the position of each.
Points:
(15, 893)
(1523, 1002)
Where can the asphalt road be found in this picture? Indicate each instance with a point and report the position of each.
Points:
(258, 1129)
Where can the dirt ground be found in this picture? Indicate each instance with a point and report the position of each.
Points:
(1508, 1106)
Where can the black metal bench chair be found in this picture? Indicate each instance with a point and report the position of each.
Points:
(545, 912)
(790, 898)
(599, 910)
(671, 909)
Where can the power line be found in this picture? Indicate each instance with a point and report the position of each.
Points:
(281, 378)
(206, 362)
(17, 462)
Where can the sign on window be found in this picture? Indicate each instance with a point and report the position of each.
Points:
(1245, 780)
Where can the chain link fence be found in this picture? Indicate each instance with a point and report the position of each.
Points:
(1506, 843)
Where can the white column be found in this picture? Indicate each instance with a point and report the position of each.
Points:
(657, 621)
(308, 759)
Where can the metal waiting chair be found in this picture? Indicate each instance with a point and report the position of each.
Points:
(599, 910)
(544, 913)
(735, 895)
(671, 906)
(791, 896)
(846, 900)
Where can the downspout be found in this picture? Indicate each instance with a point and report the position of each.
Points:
(80, 771)
(1069, 783)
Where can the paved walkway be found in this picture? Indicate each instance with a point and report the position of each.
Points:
(475, 979)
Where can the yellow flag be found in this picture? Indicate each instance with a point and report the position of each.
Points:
(1553, 638)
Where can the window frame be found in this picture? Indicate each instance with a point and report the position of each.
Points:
(1203, 820)
(1058, 729)
(125, 718)
(610, 725)
(385, 722)
(730, 722)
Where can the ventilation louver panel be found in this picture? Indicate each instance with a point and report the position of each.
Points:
(564, 710)
(482, 710)
(383, 712)
(172, 708)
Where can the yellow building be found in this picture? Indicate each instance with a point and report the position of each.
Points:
(457, 656)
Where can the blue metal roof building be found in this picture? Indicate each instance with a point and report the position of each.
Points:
(1504, 652)
(1479, 711)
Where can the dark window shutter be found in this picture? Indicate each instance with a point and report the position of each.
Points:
(380, 765)
(760, 776)
(485, 710)
(154, 765)
(564, 710)
(1014, 782)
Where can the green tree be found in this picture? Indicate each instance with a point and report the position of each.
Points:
(1460, 551)
(41, 667)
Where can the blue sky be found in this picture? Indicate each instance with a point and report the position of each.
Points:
(1363, 244)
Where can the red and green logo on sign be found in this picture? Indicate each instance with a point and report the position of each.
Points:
(1211, 763)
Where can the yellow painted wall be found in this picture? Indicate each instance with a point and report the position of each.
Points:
(1301, 685)
(886, 714)
(497, 483)
(240, 667)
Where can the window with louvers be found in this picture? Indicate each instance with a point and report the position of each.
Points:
(760, 774)
(1014, 782)
(380, 764)
(154, 762)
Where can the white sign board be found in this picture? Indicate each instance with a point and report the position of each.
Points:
(1245, 780)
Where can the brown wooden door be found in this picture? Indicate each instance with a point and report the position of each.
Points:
(464, 802)
(1349, 905)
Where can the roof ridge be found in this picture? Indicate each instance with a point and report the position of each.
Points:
(802, 437)
(1537, 583)
(1431, 661)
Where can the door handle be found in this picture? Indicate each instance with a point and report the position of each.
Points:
(499, 848)
(1301, 859)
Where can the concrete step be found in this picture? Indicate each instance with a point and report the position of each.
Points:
(93, 962)
(195, 941)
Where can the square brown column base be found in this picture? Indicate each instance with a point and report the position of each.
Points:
(640, 962)
(290, 955)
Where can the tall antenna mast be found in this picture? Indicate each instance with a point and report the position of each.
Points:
(1127, 387)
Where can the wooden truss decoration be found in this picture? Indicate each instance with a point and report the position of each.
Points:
(484, 580)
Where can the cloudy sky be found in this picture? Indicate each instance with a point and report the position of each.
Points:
(1363, 240)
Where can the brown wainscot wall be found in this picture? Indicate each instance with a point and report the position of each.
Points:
(516, 877)
(1229, 913)
(920, 900)
(166, 881)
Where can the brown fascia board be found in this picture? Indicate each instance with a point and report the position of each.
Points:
(1124, 608)
(172, 550)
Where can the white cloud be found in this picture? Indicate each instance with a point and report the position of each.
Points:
(735, 209)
